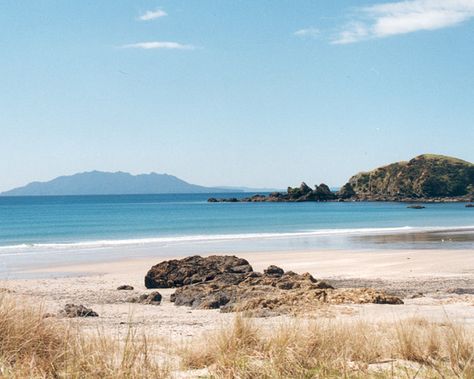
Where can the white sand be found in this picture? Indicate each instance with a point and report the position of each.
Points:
(432, 271)
(370, 264)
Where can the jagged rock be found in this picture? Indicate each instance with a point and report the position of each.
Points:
(323, 193)
(257, 198)
(469, 205)
(273, 271)
(72, 310)
(224, 200)
(229, 283)
(274, 194)
(295, 194)
(273, 292)
(288, 293)
(231, 290)
(298, 191)
(153, 298)
(346, 191)
(416, 207)
(195, 269)
(125, 287)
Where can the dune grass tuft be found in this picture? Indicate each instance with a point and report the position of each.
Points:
(336, 349)
(32, 346)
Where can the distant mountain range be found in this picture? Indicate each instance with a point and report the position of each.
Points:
(116, 183)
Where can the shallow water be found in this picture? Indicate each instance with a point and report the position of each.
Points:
(69, 229)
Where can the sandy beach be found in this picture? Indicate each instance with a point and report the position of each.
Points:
(435, 284)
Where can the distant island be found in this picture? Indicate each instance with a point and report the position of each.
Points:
(425, 178)
(116, 183)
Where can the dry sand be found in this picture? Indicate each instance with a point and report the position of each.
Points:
(427, 280)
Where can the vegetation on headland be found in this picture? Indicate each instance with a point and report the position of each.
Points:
(427, 177)
(32, 346)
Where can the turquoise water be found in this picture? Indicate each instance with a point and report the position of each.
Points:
(29, 221)
(64, 229)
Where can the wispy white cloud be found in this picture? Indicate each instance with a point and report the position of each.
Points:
(159, 45)
(152, 15)
(389, 19)
(308, 32)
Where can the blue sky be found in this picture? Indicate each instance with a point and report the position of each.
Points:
(255, 93)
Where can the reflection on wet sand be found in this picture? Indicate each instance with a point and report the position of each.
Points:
(456, 238)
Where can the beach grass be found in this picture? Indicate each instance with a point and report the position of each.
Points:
(414, 348)
(34, 346)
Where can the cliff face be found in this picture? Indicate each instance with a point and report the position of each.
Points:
(426, 176)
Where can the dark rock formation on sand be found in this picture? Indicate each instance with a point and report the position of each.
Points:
(273, 270)
(72, 310)
(195, 269)
(125, 287)
(273, 292)
(153, 298)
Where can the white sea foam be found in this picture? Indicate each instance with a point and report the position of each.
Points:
(225, 237)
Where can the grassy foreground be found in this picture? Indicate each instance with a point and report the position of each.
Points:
(32, 346)
(413, 348)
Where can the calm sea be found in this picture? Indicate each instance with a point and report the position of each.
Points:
(67, 228)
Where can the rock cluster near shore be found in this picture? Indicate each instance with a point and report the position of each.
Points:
(153, 298)
(426, 178)
(73, 310)
(229, 283)
(125, 287)
(195, 269)
(297, 194)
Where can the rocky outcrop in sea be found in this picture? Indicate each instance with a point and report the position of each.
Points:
(426, 178)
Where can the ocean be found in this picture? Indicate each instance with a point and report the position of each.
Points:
(66, 229)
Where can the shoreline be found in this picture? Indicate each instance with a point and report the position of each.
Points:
(23, 263)
(434, 284)
(324, 232)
